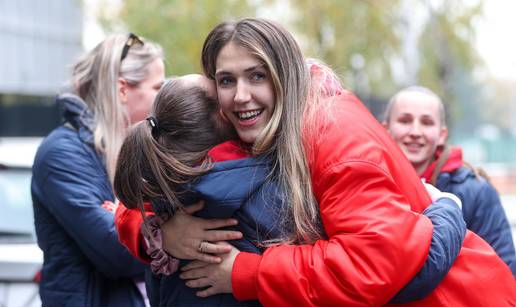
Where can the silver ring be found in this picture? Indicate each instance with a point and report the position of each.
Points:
(201, 247)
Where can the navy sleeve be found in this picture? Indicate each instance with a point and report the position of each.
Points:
(489, 221)
(447, 238)
(74, 185)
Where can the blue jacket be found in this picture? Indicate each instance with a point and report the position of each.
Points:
(236, 188)
(242, 189)
(482, 210)
(84, 263)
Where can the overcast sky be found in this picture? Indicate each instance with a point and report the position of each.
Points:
(496, 41)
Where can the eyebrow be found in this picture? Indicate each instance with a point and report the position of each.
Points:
(224, 73)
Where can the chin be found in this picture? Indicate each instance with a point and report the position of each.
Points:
(246, 138)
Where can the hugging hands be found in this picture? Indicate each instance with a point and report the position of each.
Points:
(188, 237)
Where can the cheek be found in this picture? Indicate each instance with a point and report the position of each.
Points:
(397, 131)
(225, 100)
(432, 136)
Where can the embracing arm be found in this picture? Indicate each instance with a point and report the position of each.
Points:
(128, 224)
(447, 238)
(375, 246)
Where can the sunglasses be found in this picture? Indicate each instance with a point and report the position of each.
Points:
(131, 40)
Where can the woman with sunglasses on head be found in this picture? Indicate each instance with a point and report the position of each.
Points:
(111, 87)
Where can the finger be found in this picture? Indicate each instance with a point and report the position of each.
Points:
(198, 283)
(207, 292)
(193, 274)
(222, 235)
(194, 208)
(207, 258)
(194, 265)
(219, 223)
(211, 248)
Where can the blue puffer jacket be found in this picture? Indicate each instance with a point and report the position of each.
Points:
(242, 189)
(236, 188)
(482, 210)
(84, 263)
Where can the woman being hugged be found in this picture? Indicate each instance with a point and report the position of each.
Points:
(353, 198)
(112, 86)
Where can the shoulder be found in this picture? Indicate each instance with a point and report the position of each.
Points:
(464, 179)
(63, 149)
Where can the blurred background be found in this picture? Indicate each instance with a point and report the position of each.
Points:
(461, 49)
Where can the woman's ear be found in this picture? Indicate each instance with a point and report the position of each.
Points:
(122, 90)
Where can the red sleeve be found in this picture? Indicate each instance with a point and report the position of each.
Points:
(128, 224)
(375, 246)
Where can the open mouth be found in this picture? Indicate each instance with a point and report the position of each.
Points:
(413, 146)
(248, 115)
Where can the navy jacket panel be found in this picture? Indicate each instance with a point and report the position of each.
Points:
(482, 210)
(236, 188)
(84, 264)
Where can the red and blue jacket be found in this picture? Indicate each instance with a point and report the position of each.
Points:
(238, 187)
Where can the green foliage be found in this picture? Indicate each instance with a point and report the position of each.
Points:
(180, 27)
(448, 58)
(355, 37)
(360, 39)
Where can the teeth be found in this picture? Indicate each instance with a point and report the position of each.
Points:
(248, 114)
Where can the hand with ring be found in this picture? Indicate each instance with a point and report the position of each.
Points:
(189, 237)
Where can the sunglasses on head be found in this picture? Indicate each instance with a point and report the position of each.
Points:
(131, 40)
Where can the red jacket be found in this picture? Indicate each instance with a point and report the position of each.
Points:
(369, 196)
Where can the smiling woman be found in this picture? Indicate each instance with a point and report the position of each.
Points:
(245, 91)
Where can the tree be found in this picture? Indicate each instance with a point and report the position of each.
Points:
(180, 27)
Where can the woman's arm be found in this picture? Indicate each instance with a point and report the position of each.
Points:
(375, 246)
(182, 234)
(447, 238)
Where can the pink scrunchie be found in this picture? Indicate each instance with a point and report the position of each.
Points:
(162, 262)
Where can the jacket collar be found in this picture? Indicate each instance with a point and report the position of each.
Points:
(453, 163)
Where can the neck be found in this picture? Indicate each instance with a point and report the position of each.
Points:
(421, 167)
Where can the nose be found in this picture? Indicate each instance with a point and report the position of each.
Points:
(415, 129)
(242, 94)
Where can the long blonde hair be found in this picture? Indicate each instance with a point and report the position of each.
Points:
(95, 79)
(281, 138)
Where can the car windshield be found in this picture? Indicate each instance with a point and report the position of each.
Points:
(16, 220)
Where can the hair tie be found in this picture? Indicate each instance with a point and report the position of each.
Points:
(153, 121)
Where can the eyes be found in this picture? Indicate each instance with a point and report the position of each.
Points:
(425, 120)
(227, 80)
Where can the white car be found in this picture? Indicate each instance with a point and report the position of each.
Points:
(20, 257)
